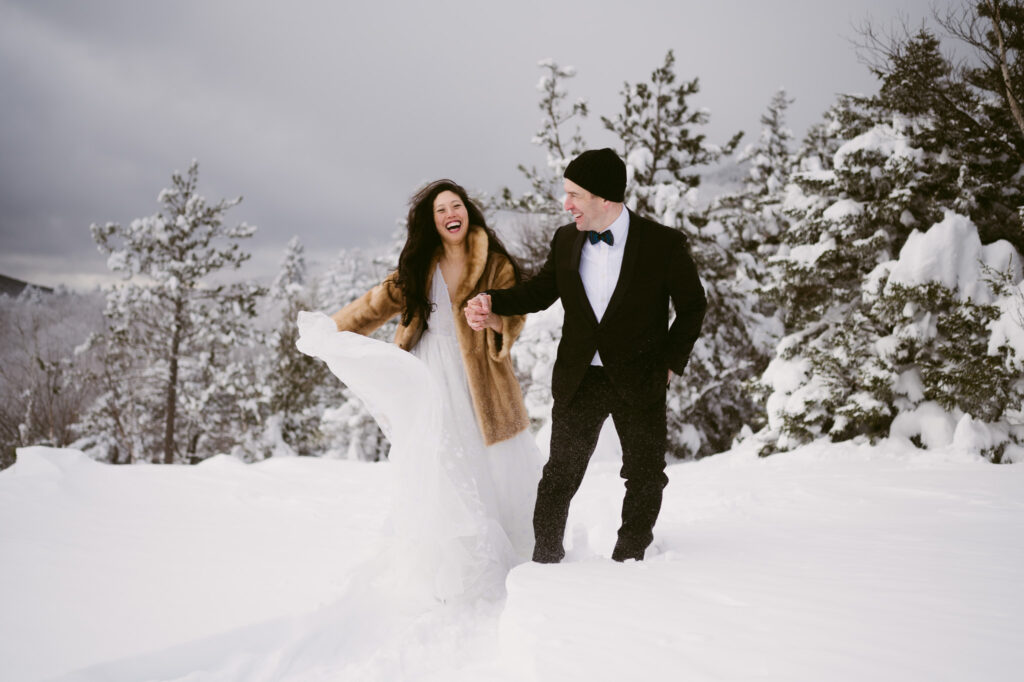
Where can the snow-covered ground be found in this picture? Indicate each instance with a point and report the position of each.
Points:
(830, 563)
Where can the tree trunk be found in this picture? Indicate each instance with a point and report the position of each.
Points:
(1004, 69)
(172, 387)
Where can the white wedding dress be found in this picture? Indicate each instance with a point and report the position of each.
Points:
(461, 514)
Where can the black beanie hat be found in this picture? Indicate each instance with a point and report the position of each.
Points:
(600, 172)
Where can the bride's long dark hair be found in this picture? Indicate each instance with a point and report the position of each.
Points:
(423, 241)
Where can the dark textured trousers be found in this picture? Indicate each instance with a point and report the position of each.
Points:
(574, 432)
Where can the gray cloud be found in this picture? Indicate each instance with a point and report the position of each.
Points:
(326, 116)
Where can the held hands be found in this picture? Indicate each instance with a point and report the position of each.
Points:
(479, 315)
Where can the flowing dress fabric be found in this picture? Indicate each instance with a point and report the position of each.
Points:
(461, 512)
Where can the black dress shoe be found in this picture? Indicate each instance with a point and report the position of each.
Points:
(625, 554)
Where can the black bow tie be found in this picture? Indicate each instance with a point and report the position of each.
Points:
(605, 237)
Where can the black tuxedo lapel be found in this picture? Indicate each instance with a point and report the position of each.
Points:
(629, 257)
(577, 249)
(576, 282)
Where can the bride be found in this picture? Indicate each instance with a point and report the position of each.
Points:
(466, 467)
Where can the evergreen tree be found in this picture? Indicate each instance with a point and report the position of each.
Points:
(346, 428)
(661, 145)
(753, 217)
(544, 197)
(846, 222)
(174, 351)
(743, 326)
(297, 385)
(665, 155)
(969, 111)
(540, 208)
(868, 344)
(771, 159)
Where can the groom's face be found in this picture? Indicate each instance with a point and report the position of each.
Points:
(588, 210)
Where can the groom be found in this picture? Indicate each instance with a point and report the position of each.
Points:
(615, 273)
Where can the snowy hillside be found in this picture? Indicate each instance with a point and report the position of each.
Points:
(833, 562)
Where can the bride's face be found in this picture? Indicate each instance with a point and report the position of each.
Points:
(451, 218)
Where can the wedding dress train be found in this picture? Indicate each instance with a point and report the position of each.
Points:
(461, 512)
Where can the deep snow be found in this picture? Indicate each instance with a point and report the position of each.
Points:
(829, 563)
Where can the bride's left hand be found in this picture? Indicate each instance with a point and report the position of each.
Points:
(479, 315)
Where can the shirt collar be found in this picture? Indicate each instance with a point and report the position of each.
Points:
(620, 227)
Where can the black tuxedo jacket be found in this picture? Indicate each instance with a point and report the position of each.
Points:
(636, 343)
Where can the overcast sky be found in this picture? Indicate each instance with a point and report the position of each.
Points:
(327, 115)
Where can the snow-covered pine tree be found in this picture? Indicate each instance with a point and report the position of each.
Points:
(540, 208)
(973, 107)
(663, 150)
(297, 388)
(751, 221)
(178, 378)
(753, 216)
(941, 313)
(771, 159)
(830, 243)
(544, 197)
(846, 221)
(665, 154)
(346, 428)
(875, 340)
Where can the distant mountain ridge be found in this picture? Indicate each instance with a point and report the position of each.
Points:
(13, 287)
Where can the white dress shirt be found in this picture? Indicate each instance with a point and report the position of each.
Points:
(600, 264)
